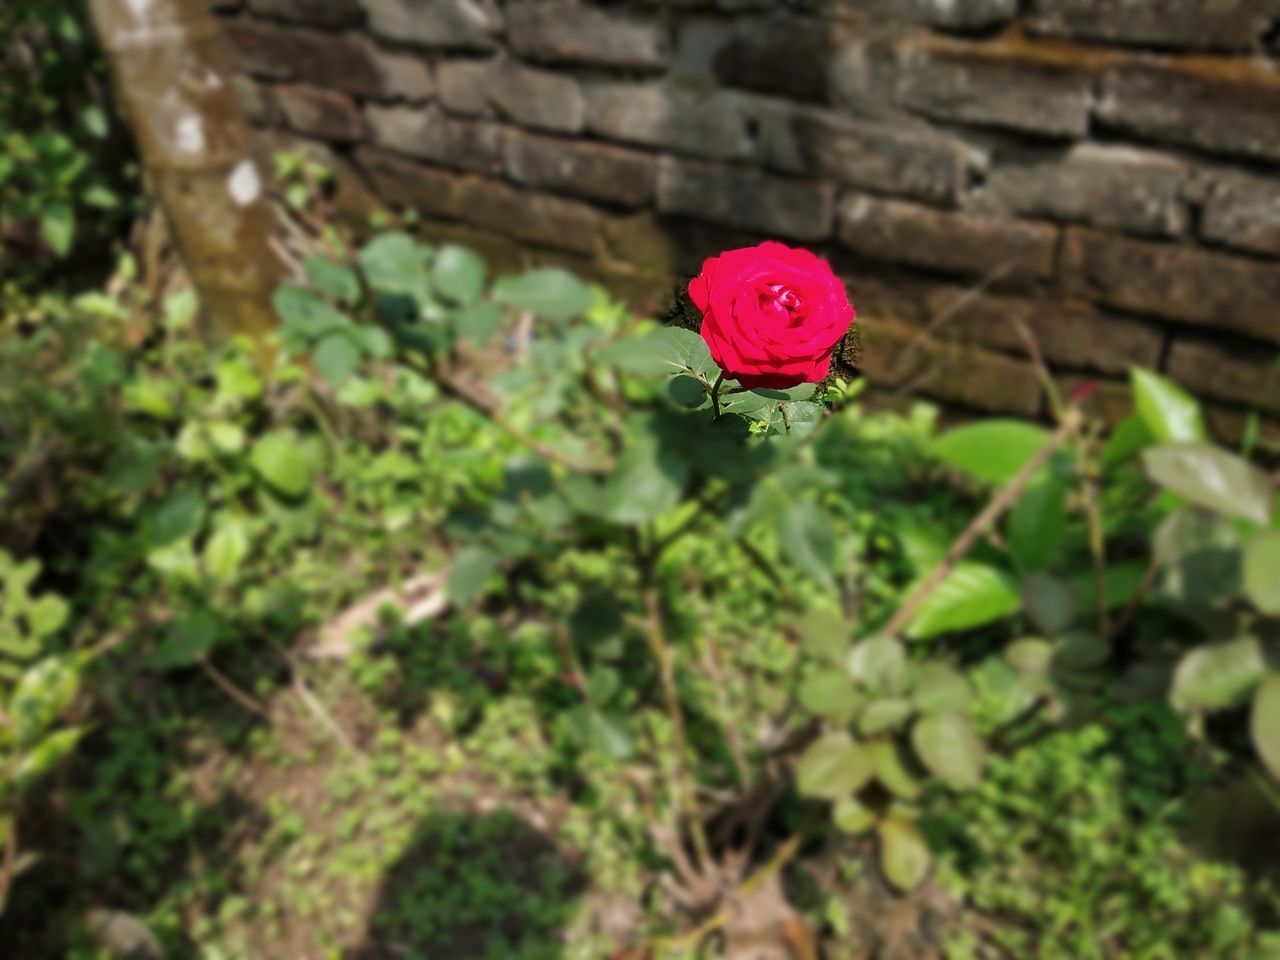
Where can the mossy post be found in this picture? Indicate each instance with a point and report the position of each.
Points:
(172, 78)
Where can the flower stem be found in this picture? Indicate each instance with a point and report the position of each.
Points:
(715, 394)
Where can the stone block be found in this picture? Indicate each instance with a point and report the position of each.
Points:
(430, 135)
(1243, 212)
(562, 31)
(963, 16)
(1222, 107)
(783, 54)
(317, 13)
(745, 200)
(1181, 283)
(944, 240)
(346, 62)
(1108, 401)
(443, 24)
(593, 171)
(491, 204)
(1173, 24)
(709, 124)
(1229, 426)
(1237, 373)
(319, 113)
(1069, 333)
(405, 77)
(461, 86)
(1115, 187)
(500, 87)
(997, 84)
(897, 355)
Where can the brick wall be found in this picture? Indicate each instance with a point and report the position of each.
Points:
(1105, 171)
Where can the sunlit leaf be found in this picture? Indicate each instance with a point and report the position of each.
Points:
(469, 573)
(833, 766)
(1210, 477)
(1170, 413)
(1264, 723)
(458, 274)
(948, 746)
(550, 292)
(992, 450)
(1218, 675)
(280, 461)
(904, 854)
(1262, 571)
(972, 595)
(335, 279)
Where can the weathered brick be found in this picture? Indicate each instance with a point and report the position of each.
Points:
(319, 113)
(595, 171)
(1229, 426)
(746, 200)
(1109, 401)
(1223, 107)
(1243, 212)
(964, 15)
(949, 241)
(405, 77)
(558, 31)
(864, 75)
(885, 157)
(462, 84)
(997, 84)
(430, 135)
(709, 124)
(897, 355)
(668, 250)
(449, 24)
(1209, 369)
(319, 13)
(523, 95)
(1114, 187)
(1067, 332)
(1178, 24)
(1181, 283)
(533, 217)
(346, 62)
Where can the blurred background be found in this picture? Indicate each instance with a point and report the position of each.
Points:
(309, 646)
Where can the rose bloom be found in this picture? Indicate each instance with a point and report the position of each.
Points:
(771, 315)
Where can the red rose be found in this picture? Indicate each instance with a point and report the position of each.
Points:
(771, 315)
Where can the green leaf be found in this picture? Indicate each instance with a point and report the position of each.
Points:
(478, 322)
(877, 663)
(304, 315)
(1262, 571)
(882, 715)
(46, 755)
(1170, 413)
(829, 693)
(43, 691)
(891, 770)
(1210, 477)
(833, 766)
(228, 438)
(851, 816)
(807, 537)
(949, 748)
(1219, 675)
(1081, 650)
(647, 481)
(225, 551)
(336, 358)
(47, 615)
(469, 573)
(179, 515)
(458, 274)
(1264, 723)
(335, 279)
(904, 854)
(551, 292)
(1050, 602)
(280, 461)
(1130, 436)
(58, 227)
(687, 391)
(1037, 527)
(940, 688)
(972, 595)
(604, 732)
(189, 638)
(396, 263)
(1030, 656)
(992, 450)
(825, 634)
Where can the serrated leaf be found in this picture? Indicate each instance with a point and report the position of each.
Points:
(280, 461)
(1262, 571)
(949, 748)
(469, 573)
(1264, 723)
(550, 292)
(458, 274)
(972, 595)
(992, 450)
(832, 767)
(1219, 675)
(1210, 477)
(1050, 602)
(1170, 413)
(904, 854)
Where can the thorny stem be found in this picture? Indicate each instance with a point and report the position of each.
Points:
(999, 505)
(664, 657)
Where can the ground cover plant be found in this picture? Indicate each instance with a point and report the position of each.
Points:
(481, 618)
